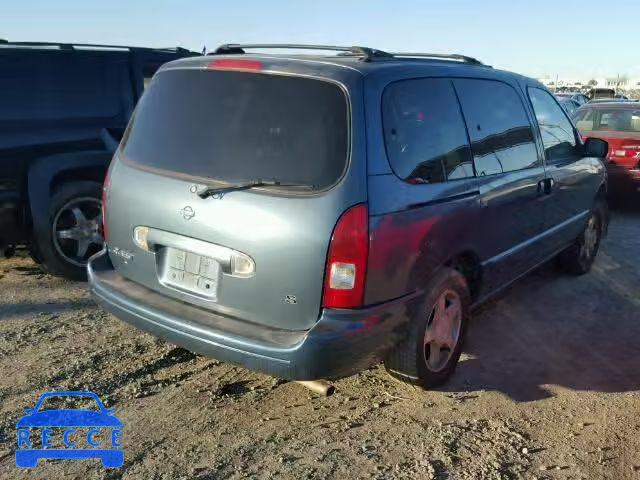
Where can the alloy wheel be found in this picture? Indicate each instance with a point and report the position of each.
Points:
(590, 243)
(77, 230)
(443, 330)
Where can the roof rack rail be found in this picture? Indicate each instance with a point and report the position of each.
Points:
(73, 46)
(367, 54)
(444, 56)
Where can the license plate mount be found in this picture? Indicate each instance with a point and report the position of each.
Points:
(191, 272)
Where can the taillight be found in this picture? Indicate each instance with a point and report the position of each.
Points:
(105, 187)
(346, 268)
(628, 150)
(633, 150)
(234, 64)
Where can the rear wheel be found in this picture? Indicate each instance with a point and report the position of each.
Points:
(75, 230)
(26, 458)
(112, 459)
(429, 354)
(578, 258)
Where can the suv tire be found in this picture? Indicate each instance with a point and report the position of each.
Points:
(578, 258)
(429, 354)
(74, 224)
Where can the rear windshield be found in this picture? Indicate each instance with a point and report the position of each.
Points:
(613, 119)
(239, 127)
(603, 93)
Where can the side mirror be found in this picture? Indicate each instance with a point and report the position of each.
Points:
(596, 147)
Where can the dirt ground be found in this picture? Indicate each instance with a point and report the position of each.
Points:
(548, 388)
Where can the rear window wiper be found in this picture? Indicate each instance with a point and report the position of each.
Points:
(211, 191)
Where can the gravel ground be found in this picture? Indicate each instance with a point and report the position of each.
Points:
(548, 388)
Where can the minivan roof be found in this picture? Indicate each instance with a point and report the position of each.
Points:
(366, 54)
(363, 60)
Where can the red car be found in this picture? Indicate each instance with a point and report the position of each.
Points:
(619, 124)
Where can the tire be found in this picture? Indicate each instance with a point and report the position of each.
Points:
(112, 458)
(578, 258)
(55, 252)
(26, 459)
(412, 359)
(34, 253)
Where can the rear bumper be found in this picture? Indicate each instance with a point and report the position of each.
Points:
(340, 344)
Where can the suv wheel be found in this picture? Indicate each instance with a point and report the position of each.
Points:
(75, 230)
(429, 354)
(578, 258)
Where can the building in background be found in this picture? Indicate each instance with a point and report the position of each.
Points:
(623, 84)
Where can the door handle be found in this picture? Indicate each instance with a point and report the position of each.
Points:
(546, 186)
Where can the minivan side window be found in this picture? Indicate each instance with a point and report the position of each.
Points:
(558, 136)
(501, 134)
(424, 132)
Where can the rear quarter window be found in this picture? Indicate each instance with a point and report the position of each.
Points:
(58, 85)
(424, 131)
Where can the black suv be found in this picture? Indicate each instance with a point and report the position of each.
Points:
(63, 111)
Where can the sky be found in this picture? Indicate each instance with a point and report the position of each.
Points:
(538, 38)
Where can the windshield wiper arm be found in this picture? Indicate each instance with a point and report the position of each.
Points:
(211, 191)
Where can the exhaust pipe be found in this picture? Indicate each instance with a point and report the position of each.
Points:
(318, 386)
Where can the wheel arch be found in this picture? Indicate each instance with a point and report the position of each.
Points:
(601, 197)
(468, 263)
(47, 174)
(602, 191)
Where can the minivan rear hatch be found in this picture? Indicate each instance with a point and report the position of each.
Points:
(181, 216)
(236, 127)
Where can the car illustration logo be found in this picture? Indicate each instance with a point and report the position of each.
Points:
(187, 213)
(62, 433)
